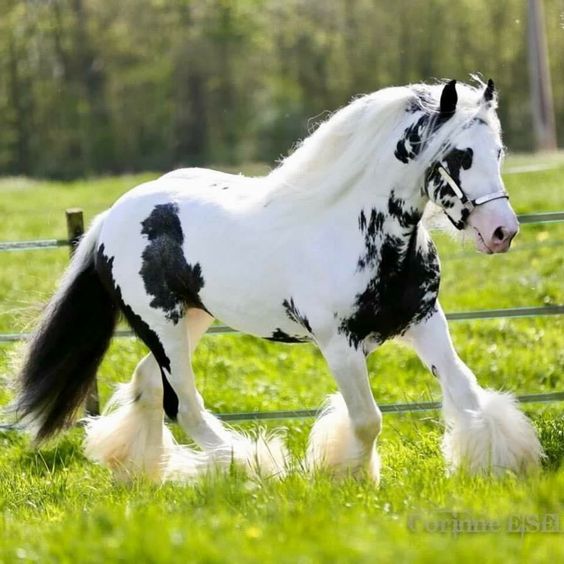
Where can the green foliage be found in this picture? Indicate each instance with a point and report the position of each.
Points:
(90, 86)
(57, 507)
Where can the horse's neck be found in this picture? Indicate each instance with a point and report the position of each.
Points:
(383, 200)
(393, 198)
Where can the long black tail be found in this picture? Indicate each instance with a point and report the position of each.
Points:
(67, 347)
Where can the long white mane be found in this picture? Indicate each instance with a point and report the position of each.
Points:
(357, 142)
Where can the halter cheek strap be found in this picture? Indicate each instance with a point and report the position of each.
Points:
(470, 205)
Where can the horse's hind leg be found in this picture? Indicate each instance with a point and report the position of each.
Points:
(485, 430)
(182, 400)
(223, 446)
(130, 436)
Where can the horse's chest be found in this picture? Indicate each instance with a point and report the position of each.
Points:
(402, 291)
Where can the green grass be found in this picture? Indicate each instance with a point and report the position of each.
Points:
(56, 506)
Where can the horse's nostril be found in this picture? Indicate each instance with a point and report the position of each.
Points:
(499, 234)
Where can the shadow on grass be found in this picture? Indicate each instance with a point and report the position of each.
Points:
(52, 458)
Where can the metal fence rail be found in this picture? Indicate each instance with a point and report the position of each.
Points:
(544, 217)
(31, 245)
(384, 408)
(527, 218)
(411, 407)
(505, 313)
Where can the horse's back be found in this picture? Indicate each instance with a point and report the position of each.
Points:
(199, 176)
(197, 195)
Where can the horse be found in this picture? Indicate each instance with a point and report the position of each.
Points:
(330, 248)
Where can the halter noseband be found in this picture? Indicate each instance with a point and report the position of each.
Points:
(469, 204)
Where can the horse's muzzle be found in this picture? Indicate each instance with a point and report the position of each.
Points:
(494, 226)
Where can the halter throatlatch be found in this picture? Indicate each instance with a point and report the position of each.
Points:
(466, 202)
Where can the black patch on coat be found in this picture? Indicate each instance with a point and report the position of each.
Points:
(405, 215)
(104, 267)
(411, 144)
(372, 231)
(415, 136)
(440, 191)
(173, 283)
(295, 315)
(457, 159)
(362, 221)
(281, 337)
(402, 292)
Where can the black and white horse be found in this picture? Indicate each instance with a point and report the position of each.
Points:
(328, 248)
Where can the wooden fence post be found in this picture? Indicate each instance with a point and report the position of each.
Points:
(75, 230)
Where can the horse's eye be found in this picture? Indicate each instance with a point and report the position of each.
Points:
(466, 159)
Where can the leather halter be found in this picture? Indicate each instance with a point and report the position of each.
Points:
(468, 204)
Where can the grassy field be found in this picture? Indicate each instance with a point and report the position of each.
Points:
(57, 507)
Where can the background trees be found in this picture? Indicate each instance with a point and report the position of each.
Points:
(94, 86)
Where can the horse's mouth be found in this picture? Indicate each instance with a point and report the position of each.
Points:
(481, 244)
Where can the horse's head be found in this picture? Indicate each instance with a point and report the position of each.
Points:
(465, 180)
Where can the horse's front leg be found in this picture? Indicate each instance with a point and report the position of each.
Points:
(343, 437)
(485, 430)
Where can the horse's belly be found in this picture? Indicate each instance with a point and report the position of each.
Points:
(248, 296)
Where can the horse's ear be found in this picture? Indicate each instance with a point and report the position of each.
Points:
(449, 98)
(489, 91)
